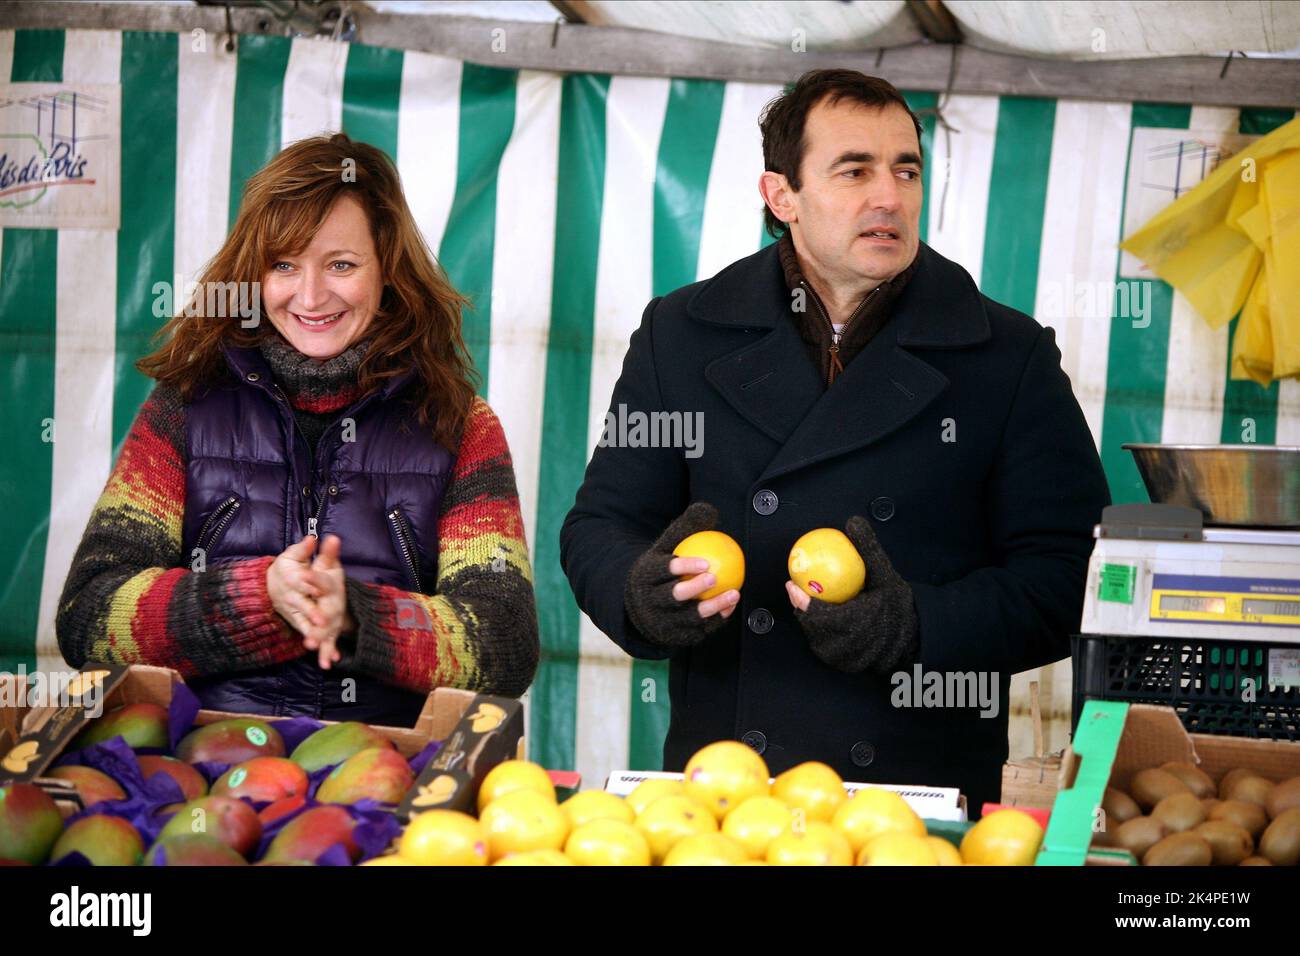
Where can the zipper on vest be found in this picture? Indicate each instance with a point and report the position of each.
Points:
(315, 519)
(405, 543)
(217, 521)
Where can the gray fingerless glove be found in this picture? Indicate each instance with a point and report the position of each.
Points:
(648, 593)
(875, 631)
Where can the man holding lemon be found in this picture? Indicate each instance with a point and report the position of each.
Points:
(848, 377)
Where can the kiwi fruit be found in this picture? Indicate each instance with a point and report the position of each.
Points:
(1249, 816)
(1210, 803)
(1254, 861)
(1225, 784)
(1284, 796)
(1139, 835)
(1229, 843)
(1252, 789)
(1281, 841)
(1179, 812)
(1149, 787)
(1179, 849)
(1119, 806)
(1197, 780)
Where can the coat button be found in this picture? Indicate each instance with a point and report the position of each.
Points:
(862, 754)
(306, 491)
(765, 502)
(254, 377)
(760, 620)
(334, 489)
(882, 509)
(756, 739)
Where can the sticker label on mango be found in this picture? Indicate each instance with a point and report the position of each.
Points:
(1117, 582)
(237, 777)
(256, 736)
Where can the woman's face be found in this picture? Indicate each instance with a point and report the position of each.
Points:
(323, 299)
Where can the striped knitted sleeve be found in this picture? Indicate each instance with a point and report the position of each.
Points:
(131, 597)
(478, 631)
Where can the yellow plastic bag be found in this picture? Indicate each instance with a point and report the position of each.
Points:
(1222, 243)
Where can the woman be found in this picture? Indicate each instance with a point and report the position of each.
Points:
(343, 413)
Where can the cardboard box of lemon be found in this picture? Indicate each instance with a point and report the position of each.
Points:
(726, 811)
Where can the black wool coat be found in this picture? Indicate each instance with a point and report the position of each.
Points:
(955, 432)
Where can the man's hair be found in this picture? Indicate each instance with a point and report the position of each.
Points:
(782, 120)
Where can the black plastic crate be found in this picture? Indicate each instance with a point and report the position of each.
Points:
(1201, 679)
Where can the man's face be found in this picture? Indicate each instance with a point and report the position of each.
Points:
(861, 174)
(323, 299)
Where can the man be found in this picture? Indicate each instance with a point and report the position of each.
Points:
(848, 376)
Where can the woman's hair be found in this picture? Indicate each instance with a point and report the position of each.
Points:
(417, 325)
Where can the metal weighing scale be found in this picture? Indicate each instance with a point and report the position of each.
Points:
(1194, 600)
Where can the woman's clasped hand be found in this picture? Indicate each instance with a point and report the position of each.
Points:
(307, 588)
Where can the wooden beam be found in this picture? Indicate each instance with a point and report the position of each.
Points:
(935, 20)
(580, 48)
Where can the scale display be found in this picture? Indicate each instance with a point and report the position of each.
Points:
(1222, 600)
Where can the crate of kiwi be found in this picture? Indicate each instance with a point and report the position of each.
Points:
(1135, 782)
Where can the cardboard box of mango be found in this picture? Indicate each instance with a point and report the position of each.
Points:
(124, 767)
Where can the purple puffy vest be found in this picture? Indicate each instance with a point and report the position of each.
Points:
(253, 487)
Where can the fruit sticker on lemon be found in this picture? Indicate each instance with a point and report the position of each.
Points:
(824, 564)
(726, 560)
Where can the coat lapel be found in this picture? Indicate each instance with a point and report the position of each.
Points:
(772, 384)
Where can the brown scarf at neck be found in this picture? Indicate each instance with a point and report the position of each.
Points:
(814, 321)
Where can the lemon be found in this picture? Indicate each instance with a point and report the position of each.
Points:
(706, 849)
(536, 858)
(945, 851)
(670, 819)
(814, 844)
(723, 775)
(648, 791)
(443, 838)
(756, 823)
(824, 564)
(873, 811)
(812, 787)
(1003, 838)
(511, 775)
(607, 843)
(521, 821)
(596, 805)
(898, 849)
(726, 560)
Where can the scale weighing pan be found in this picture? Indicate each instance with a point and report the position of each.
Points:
(1242, 486)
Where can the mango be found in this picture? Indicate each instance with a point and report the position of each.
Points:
(30, 822)
(306, 837)
(192, 849)
(281, 808)
(103, 840)
(332, 745)
(262, 780)
(231, 741)
(140, 725)
(378, 774)
(225, 819)
(187, 778)
(93, 786)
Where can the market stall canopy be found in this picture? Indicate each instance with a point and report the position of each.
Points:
(1071, 29)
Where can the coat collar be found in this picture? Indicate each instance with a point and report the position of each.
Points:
(771, 384)
(940, 308)
(243, 361)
